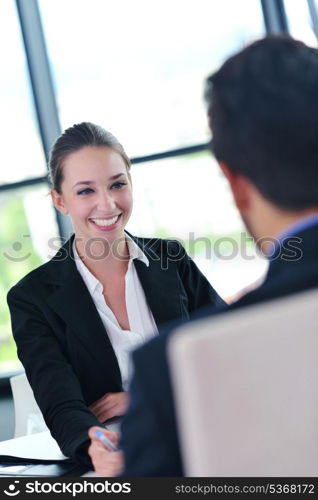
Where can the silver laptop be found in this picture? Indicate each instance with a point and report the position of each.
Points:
(246, 390)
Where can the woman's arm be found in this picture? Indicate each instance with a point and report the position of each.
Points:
(112, 404)
(51, 375)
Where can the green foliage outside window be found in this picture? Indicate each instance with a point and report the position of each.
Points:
(17, 258)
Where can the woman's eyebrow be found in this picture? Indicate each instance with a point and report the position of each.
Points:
(89, 183)
(116, 176)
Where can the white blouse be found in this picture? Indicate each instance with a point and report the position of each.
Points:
(141, 320)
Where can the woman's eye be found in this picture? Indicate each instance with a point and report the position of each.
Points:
(85, 191)
(118, 185)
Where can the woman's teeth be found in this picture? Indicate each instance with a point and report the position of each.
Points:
(105, 222)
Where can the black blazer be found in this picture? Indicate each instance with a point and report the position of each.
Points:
(149, 430)
(61, 340)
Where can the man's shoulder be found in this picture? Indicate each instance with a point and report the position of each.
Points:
(279, 286)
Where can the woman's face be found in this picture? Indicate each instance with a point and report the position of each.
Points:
(96, 193)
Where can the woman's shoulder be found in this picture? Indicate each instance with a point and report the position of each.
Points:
(28, 285)
(33, 277)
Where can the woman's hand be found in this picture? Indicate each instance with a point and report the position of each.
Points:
(112, 404)
(106, 463)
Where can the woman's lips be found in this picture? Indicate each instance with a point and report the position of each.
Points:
(105, 224)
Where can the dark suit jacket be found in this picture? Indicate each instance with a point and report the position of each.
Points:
(63, 345)
(149, 430)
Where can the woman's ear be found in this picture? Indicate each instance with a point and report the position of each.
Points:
(58, 202)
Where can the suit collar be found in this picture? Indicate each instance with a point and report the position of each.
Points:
(71, 300)
(146, 246)
(135, 251)
(92, 283)
(299, 226)
(159, 281)
(62, 266)
(295, 251)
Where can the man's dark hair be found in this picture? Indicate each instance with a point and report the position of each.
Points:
(263, 112)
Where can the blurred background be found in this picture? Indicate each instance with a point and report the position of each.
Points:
(136, 67)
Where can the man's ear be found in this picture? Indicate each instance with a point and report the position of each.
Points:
(58, 202)
(240, 187)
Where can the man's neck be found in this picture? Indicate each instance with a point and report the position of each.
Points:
(282, 222)
(271, 222)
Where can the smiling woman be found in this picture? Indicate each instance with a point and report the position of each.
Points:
(76, 318)
(96, 193)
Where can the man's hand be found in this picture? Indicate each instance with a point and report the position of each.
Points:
(106, 463)
(112, 404)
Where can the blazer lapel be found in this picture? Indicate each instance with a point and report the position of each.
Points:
(73, 303)
(161, 286)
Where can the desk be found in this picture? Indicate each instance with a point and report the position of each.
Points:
(41, 448)
(36, 455)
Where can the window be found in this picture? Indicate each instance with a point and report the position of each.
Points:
(27, 229)
(21, 149)
(188, 198)
(300, 22)
(137, 68)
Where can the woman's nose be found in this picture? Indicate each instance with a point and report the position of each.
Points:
(106, 202)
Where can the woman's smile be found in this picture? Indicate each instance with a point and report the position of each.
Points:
(105, 223)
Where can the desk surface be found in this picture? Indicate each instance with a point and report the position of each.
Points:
(40, 446)
(37, 447)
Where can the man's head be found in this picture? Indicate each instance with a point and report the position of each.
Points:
(263, 112)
